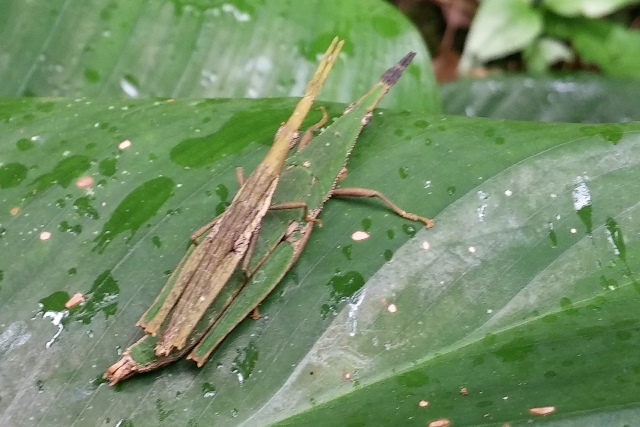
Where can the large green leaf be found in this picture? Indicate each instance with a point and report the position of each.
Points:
(578, 98)
(205, 48)
(541, 312)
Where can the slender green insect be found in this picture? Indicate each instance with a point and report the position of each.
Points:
(211, 264)
(308, 180)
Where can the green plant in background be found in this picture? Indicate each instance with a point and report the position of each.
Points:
(542, 29)
(521, 301)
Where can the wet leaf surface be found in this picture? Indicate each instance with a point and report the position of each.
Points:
(206, 49)
(520, 294)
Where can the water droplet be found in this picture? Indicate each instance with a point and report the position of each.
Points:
(245, 362)
(516, 350)
(12, 174)
(343, 286)
(83, 207)
(567, 306)
(163, 414)
(409, 230)
(553, 236)
(63, 174)
(614, 235)
(422, 124)
(145, 201)
(208, 390)
(101, 297)
(65, 227)
(403, 172)
(24, 144)
(608, 283)
(346, 251)
(223, 192)
(107, 167)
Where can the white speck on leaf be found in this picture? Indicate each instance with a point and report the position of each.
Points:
(581, 194)
(354, 302)
(360, 235)
(75, 299)
(543, 410)
(237, 14)
(85, 182)
(56, 318)
(129, 88)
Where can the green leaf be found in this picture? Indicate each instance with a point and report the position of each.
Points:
(581, 98)
(545, 52)
(590, 8)
(546, 296)
(206, 48)
(499, 28)
(612, 47)
(517, 296)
